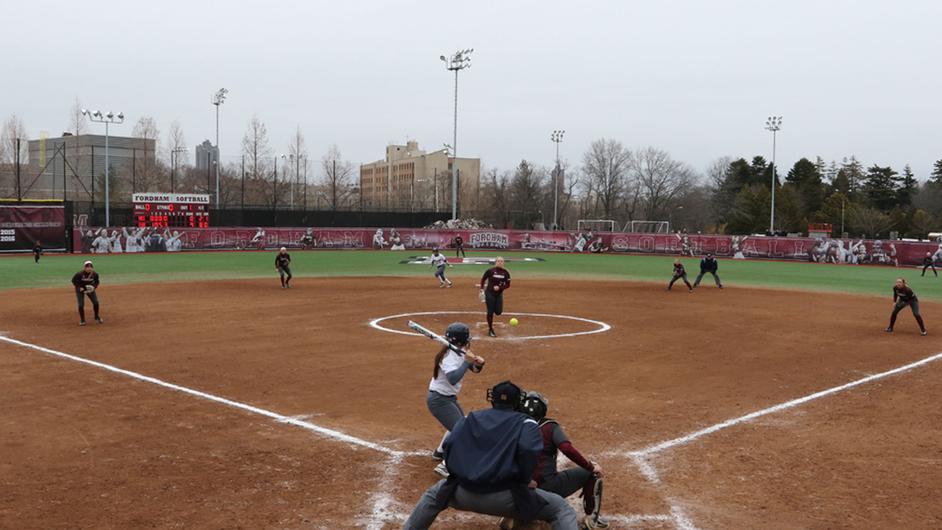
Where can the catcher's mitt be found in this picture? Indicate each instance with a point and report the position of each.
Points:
(89, 288)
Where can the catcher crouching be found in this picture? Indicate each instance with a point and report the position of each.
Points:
(85, 282)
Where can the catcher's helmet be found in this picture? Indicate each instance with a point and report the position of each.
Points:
(458, 333)
(535, 405)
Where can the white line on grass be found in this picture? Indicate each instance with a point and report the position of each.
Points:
(682, 440)
(323, 431)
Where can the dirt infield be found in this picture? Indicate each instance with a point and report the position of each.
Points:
(84, 447)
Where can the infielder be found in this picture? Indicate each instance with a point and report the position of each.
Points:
(491, 455)
(495, 281)
(587, 477)
(709, 265)
(679, 273)
(459, 247)
(927, 262)
(447, 374)
(85, 282)
(282, 265)
(439, 262)
(904, 296)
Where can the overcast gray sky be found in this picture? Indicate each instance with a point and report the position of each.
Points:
(696, 78)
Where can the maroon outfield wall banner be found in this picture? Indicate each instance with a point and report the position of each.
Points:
(849, 251)
(22, 225)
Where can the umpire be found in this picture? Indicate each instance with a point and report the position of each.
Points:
(709, 265)
(491, 455)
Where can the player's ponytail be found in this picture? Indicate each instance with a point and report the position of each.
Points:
(438, 361)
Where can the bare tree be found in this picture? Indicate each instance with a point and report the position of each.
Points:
(568, 193)
(13, 129)
(148, 172)
(337, 176)
(256, 150)
(176, 141)
(78, 123)
(606, 165)
(660, 180)
(297, 152)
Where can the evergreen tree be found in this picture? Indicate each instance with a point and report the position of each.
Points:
(881, 187)
(908, 187)
(806, 179)
(854, 172)
(936, 176)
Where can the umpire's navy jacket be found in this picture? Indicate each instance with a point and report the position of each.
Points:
(708, 265)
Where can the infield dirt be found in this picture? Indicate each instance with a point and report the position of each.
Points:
(86, 448)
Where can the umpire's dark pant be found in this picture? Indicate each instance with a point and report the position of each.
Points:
(557, 511)
(459, 251)
(716, 278)
(80, 296)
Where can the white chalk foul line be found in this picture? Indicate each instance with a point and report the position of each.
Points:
(777, 408)
(601, 326)
(323, 431)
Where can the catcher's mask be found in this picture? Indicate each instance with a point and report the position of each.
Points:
(535, 405)
(506, 395)
(458, 333)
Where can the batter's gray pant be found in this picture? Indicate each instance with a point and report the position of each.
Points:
(557, 511)
(445, 409)
(716, 278)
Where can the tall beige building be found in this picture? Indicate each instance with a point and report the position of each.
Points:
(411, 179)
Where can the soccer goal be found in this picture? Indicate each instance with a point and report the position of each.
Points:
(648, 227)
(596, 225)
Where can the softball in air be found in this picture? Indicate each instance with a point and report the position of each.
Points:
(514, 321)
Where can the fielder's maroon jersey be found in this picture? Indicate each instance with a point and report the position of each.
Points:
(83, 279)
(903, 294)
(496, 276)
(679, 269)
(282, 260)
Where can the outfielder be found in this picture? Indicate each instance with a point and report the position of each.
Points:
(38, 251)
(927, 262)
(709, 265)
(283, 266)
(491, 455)
(587, 477)
(85, 282)
(904, 296)
(447, 374)
(439, 262)
(495, 281)
(679, 273)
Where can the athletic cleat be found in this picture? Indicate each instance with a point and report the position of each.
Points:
(923, 333)
(888, 330)
(449, 285)
(591, 522)
(490, 333)
(438, 455)
(99, 320)
(81, 323)
(509, 523)
(441, 286)
(441, 469)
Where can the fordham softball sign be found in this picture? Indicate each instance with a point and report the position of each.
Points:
(820, 250)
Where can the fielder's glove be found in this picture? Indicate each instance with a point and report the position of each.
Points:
(89, 288)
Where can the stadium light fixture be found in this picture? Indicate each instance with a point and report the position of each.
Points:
(773, 124)
(107, 119)
(457, 62)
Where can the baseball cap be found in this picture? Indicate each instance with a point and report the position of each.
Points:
(505, 395)
(87, 263)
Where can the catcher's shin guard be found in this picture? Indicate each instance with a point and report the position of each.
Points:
(593, 504)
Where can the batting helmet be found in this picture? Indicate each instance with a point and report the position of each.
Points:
(458, 333)
(535, 405)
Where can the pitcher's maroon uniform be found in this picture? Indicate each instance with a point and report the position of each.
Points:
(495, 281)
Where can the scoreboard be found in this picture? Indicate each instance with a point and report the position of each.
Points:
(164, 210)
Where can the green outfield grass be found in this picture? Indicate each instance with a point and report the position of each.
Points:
(17, 272)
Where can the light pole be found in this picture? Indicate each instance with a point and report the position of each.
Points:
(218, 99)
(174, 156)
(457, 62)
(107, 119)
(557, 138)
(774, 124)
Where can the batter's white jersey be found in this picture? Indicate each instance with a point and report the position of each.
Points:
(450, 362)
